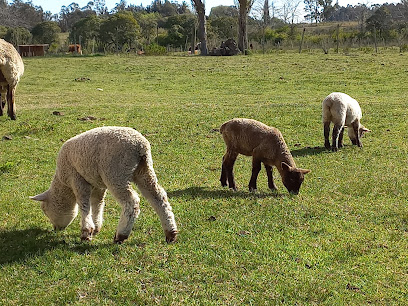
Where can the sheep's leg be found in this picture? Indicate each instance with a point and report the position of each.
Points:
(256, 167)
(97, 205)
(82, 190)
(356, 126)
(11, 107)
(341, 137)
(326, 129)
(269, 173)
(129, 200)
(335, 137)
(146, 181)
(229, 160)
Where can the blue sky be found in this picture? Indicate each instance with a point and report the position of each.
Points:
(55, 5)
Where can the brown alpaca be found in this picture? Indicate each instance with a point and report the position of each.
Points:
(266, 145)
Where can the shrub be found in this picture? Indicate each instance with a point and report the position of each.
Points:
(154, 49)
(404, 48)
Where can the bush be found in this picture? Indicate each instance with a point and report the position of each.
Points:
(154, 49)
(366, 49)
(404, 48)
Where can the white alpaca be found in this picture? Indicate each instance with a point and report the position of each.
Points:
(99, 159)
(11, 70)
(342, 110)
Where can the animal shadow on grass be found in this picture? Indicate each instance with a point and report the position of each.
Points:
(19, 245)
(210, 193)
(308, 151)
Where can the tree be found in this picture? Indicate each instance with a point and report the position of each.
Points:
(225, 27)
(20, 14)
(18, 36)
(380, 21)
(202, 27)
(327, 9)
(290, 11)
(265, 16)
(100, 7)
(86, 30)
(224, 11)
(244, 9)
(46, 33)
(179, 30)
(71, 14)
(312, 7)
(121, 6)
(148, 25)
(3, 31)
(118, 30)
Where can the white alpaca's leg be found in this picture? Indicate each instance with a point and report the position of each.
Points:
(129, 200)
(97, 205)
(82, 190)
(146, 181)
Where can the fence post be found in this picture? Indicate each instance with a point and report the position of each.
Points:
(301, 42)
(337, 36)
(375, 39)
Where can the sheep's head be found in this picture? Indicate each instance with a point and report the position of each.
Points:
(60, 215)
(293, 177)
(361, 131)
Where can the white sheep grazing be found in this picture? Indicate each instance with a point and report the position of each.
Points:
(99, 159)
(266, 145)
(342, 110)
(11, 70)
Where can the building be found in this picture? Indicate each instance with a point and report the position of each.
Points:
(32, 50)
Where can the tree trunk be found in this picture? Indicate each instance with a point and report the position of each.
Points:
(242, 28)
(202, 27)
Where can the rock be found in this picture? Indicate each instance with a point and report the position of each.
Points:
(227, 48)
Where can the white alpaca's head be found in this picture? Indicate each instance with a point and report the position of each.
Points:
(60, 215)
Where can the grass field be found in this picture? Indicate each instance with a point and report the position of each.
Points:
(342, 240)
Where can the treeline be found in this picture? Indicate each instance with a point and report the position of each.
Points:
(165, 25)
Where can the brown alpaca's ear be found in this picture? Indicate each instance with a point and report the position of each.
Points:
(305, 171)
(40, 197)
(285, 166)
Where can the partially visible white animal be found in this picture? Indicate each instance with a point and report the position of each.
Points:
(99, 159)
(11, 70)
(342, 110)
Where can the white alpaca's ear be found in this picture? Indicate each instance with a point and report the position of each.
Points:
(366, 130)
(40, 197)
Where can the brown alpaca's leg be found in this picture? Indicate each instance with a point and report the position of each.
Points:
(256, 167)
(269, 173)
(228, 164)
(223, 178)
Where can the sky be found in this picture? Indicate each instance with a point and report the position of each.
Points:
(54, 6)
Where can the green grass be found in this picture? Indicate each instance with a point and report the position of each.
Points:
(342, 240)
